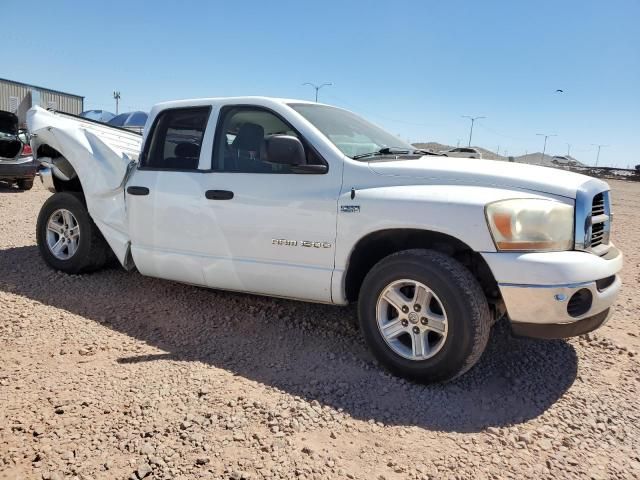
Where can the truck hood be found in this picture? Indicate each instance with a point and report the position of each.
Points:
(487, 173)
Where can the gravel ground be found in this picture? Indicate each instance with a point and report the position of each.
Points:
(114, 375)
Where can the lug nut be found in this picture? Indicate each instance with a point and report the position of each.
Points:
(424, 320)
(404, 323)
(405, 309)
(416, 307)
(416, 330)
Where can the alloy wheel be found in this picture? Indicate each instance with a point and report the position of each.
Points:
(63, 234)
(411, 319)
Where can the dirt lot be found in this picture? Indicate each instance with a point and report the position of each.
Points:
(114, 375)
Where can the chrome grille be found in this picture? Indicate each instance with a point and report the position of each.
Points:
(597, 235)
(599, 219)
(593, 219)
(597, 206)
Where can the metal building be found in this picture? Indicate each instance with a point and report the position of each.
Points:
(18, 97)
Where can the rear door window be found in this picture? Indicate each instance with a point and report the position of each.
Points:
(176, 139)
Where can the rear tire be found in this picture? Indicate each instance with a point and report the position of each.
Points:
(424, 315)
(67, 238)
(25, 183)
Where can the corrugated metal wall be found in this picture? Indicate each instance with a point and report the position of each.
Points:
(57, 101)
(24, 96)
(9, 90)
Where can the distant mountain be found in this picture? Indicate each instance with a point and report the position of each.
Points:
(531, 158)
(433, 146)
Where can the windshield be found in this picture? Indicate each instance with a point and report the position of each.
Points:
(353, 135)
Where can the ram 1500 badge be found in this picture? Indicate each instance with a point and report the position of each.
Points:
(226, 192)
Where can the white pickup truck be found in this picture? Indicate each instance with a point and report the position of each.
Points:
(307, 201)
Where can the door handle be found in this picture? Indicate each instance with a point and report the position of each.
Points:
(133, 190)
(218, 194)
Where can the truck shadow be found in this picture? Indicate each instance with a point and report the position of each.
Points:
(312, 351)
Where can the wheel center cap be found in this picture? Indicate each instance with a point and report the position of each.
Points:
(413, 317)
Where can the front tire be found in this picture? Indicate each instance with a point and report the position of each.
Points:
(67, 238)
(424, 316)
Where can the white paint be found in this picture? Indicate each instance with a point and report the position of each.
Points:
(100, 156)
(176, 233)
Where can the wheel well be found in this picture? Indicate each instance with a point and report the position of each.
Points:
(71, 185)
(378, 245)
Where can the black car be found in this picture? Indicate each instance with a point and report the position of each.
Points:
(16, 161)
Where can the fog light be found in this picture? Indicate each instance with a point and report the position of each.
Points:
(580, 302)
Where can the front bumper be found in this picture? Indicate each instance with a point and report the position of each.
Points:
(587, 285)
(560, 330)
(18, 170)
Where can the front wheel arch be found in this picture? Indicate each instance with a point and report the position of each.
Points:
(377, 245)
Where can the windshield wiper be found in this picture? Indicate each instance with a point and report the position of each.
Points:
(428, 152)
(383, 151)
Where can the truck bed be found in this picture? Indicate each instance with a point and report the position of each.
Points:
(119, 138)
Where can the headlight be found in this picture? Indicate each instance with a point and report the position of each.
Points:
(531, 224)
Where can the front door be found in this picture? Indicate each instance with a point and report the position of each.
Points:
(277, 228)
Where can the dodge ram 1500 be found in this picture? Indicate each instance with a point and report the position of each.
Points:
(307, 201)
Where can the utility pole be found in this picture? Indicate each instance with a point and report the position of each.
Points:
(568, 149)
(116, 96)
(545, 135)
(473, 119)
(598, 154)
(317, 87)
(498, 151)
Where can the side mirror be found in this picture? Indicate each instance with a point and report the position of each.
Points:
(284, 150)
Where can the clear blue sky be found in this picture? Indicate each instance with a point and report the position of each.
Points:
(413, 67)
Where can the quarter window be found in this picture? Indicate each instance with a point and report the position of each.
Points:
(176, 139)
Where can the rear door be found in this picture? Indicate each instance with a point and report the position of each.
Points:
(165, 198)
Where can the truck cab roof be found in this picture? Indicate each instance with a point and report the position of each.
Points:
(253, 100)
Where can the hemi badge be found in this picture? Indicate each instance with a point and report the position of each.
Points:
(350, 208)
